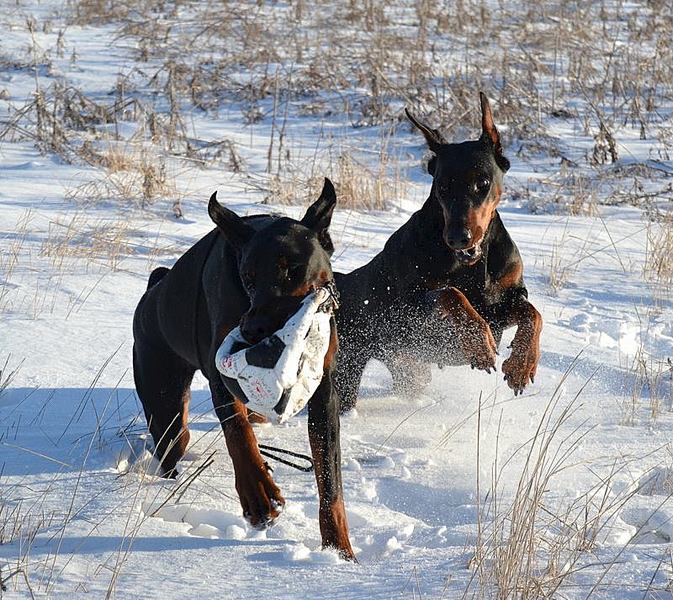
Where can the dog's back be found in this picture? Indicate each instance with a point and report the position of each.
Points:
(167, 315)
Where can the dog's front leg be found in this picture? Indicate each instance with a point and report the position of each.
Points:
(521, 365)
(473, 332)
(323, 433)
(260, 497)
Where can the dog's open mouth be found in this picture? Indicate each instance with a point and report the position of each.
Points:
(469, 255)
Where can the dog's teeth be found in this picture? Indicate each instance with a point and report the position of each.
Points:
(470, 254)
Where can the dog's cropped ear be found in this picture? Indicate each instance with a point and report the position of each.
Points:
(319, 215)
(434, 139)
(229, 223)
(489, 132)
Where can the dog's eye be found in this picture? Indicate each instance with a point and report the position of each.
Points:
(482, 185)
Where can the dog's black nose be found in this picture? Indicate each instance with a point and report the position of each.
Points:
(458, 238)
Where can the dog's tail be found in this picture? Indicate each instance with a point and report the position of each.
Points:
(156, 276)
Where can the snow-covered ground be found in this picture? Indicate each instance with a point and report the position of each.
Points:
(429, 480)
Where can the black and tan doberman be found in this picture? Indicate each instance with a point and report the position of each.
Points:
(447, 283)
(252, 271)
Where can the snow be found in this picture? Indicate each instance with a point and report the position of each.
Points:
(82, 513)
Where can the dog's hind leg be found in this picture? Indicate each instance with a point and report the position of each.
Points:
(410, 375)
(162, 382)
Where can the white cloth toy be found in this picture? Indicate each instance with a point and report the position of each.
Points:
(277, 376)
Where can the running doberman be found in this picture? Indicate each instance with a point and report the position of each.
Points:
(447, 283)
(252, 271)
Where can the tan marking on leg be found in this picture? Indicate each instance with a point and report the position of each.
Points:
(260, 498)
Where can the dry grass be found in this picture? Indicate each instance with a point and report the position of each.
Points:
(132, 496)
(648, 385)
(9, 259)
(102, 242)
(658, 266)
(358, 187)
(560, 268)
(46, 279)
(7, 374)
(515, 554)
(128, 178)
(360, 65)
(649, 375)
(535, 543)
(561, 265)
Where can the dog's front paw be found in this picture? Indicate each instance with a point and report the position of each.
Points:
(478, 345)
(345, 553)
(260, 497)
(520, 367)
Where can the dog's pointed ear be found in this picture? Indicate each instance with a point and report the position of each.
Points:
(488, 128)
(319, 215)
(434, 139)
(229, 223)
(489, 132)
